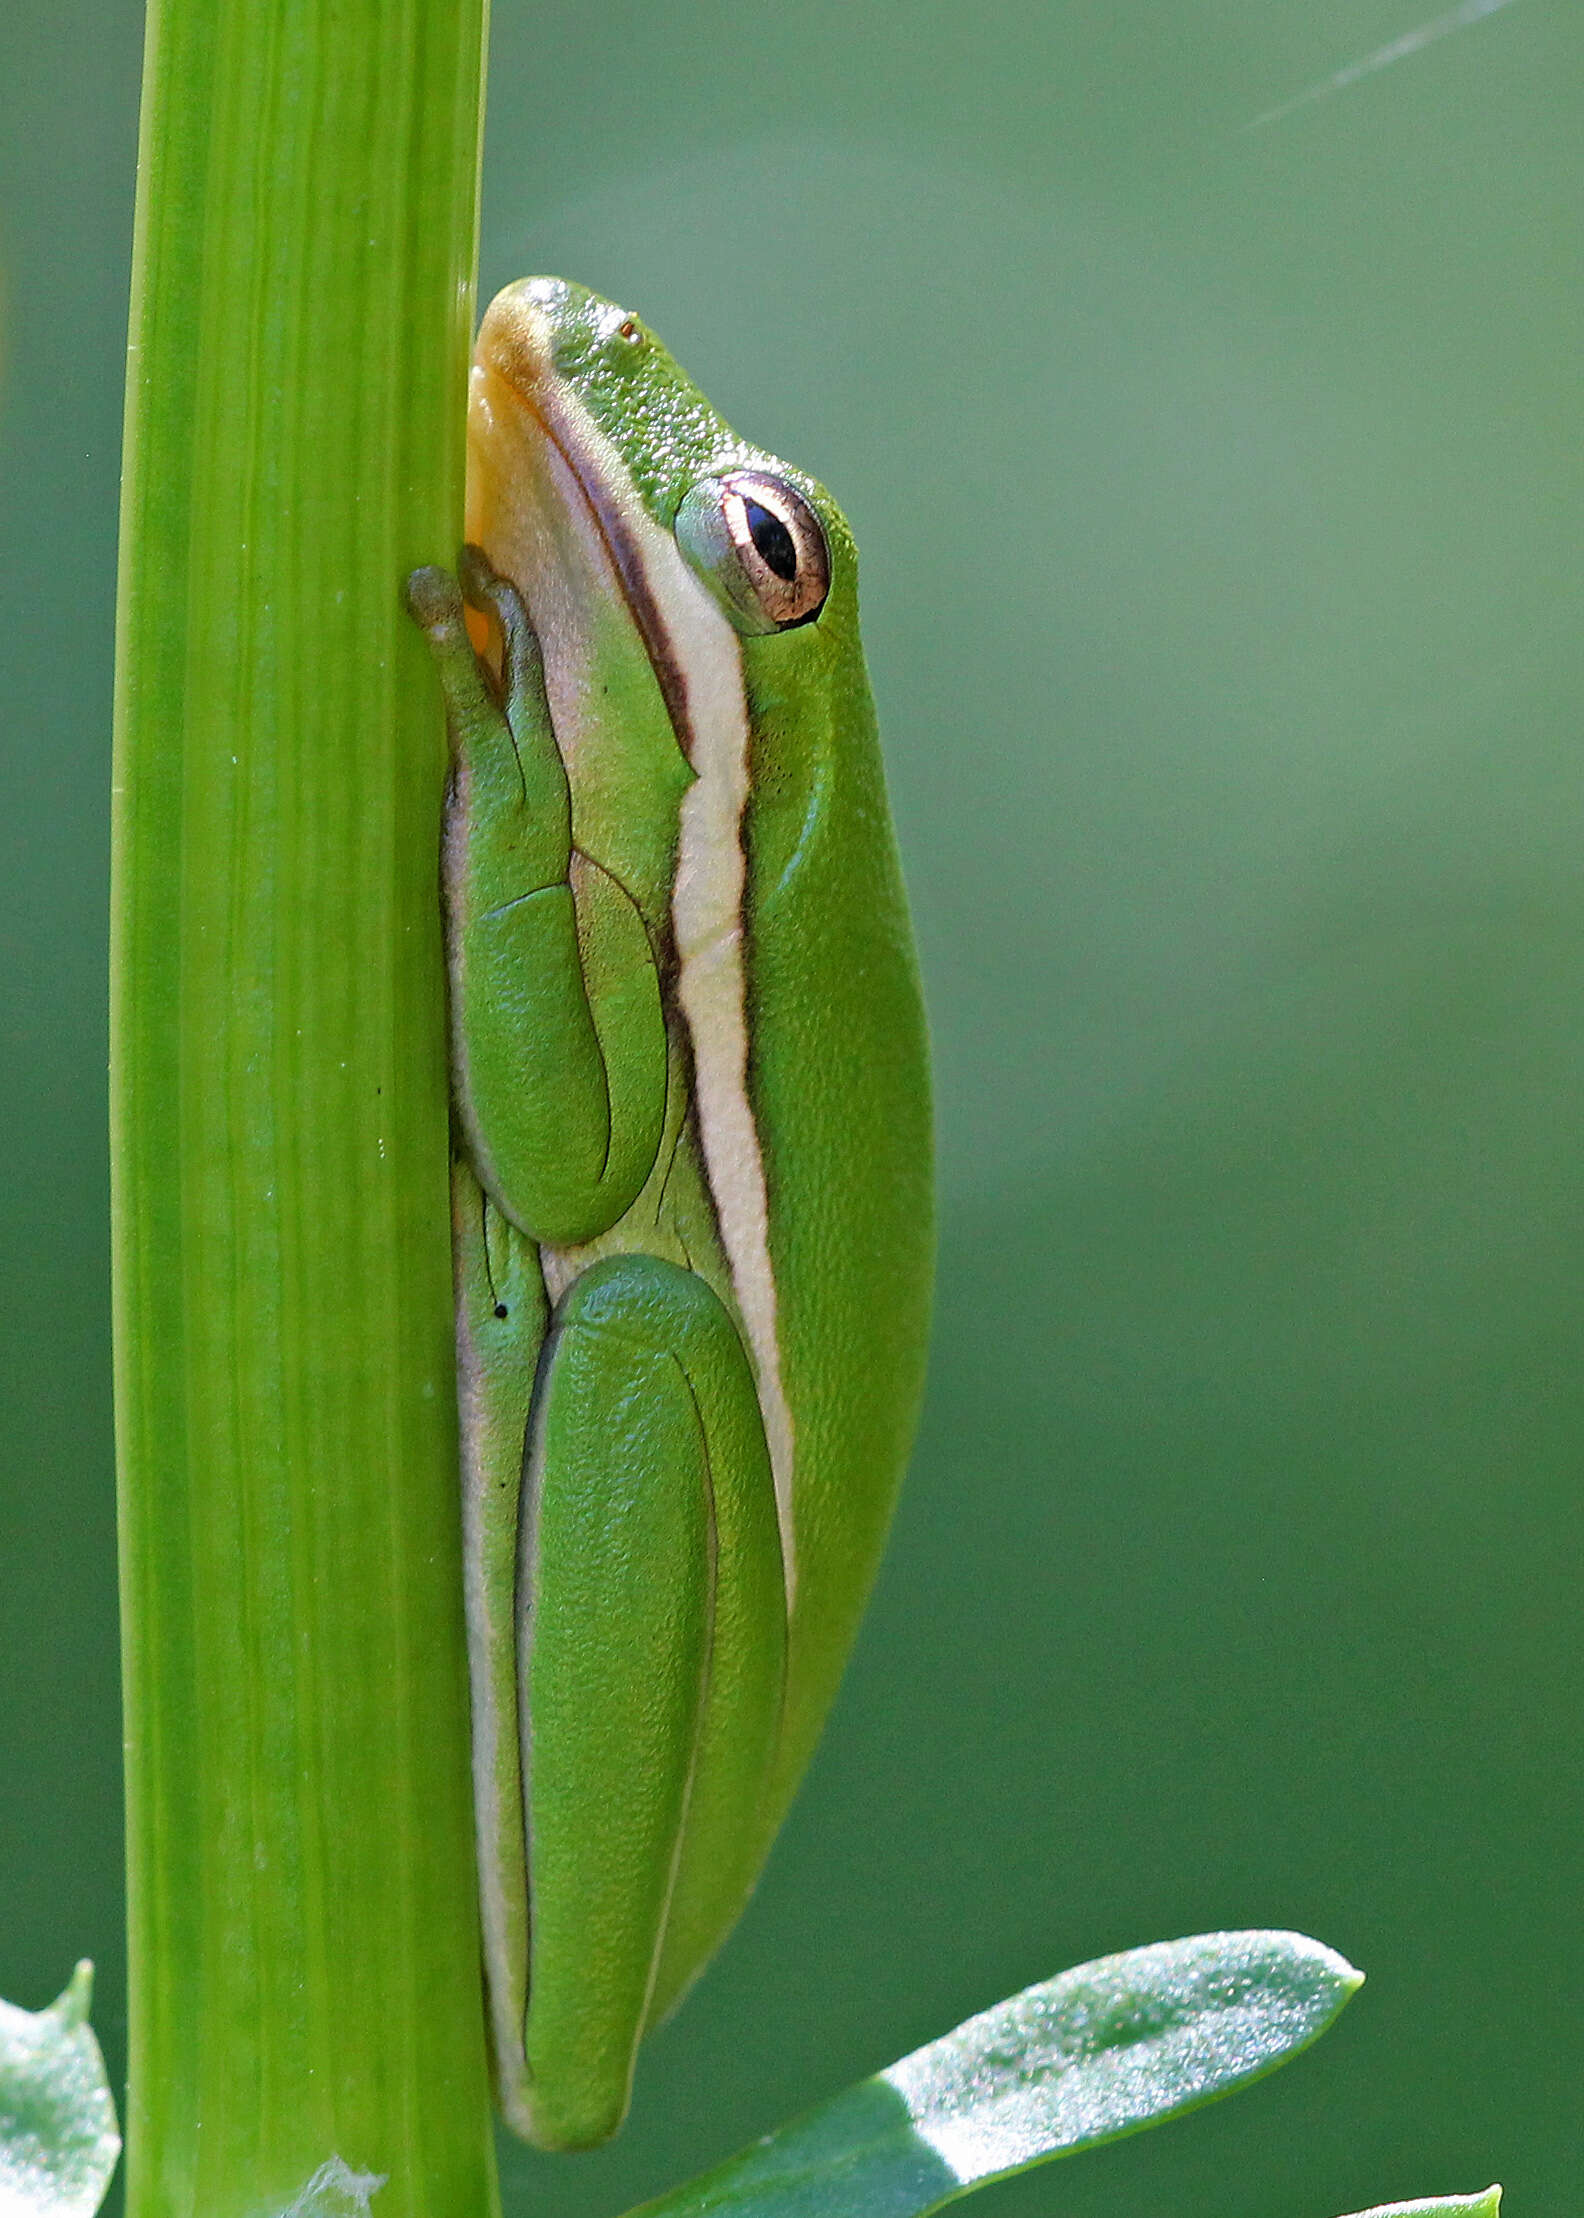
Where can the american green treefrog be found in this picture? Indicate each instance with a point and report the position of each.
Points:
(692, 1198)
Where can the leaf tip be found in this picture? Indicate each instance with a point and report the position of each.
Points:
(72, 2004)
(1343, 1978)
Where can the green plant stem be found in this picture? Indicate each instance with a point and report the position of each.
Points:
(303, 1942)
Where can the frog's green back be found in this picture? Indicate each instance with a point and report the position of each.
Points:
(838, 1067)
(839, 1077)
(838, 1072)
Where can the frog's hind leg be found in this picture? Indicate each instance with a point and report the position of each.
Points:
(651, 1646)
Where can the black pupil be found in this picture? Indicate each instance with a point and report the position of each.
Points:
(773, 541)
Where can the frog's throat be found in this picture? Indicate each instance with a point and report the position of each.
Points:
(524, 416)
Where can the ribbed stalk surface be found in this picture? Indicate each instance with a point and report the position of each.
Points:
(304, 1953)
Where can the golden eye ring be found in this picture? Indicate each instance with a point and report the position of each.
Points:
(759, 544)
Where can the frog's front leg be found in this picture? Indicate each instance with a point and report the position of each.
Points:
(558, 1031)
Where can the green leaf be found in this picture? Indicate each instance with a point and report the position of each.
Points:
(58, 2138)
(1095, 2053)
(1486, 2204)
(302, 1923)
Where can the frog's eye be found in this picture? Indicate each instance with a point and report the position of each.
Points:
(759, 545)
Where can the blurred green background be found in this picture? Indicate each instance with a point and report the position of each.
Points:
(1219, 484)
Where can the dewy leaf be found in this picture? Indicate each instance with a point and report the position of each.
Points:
(1095, 2053)
(1117, 2044)
(58, 2138)
(1486, 2204)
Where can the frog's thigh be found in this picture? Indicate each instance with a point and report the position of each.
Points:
(651, 1654)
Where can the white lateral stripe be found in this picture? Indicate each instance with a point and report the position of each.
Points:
(706, 913)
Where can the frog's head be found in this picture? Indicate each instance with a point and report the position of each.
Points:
(557, 364)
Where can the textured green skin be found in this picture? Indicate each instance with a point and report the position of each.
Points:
(839, 1067)
(839, 1081)
(672, 1707)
